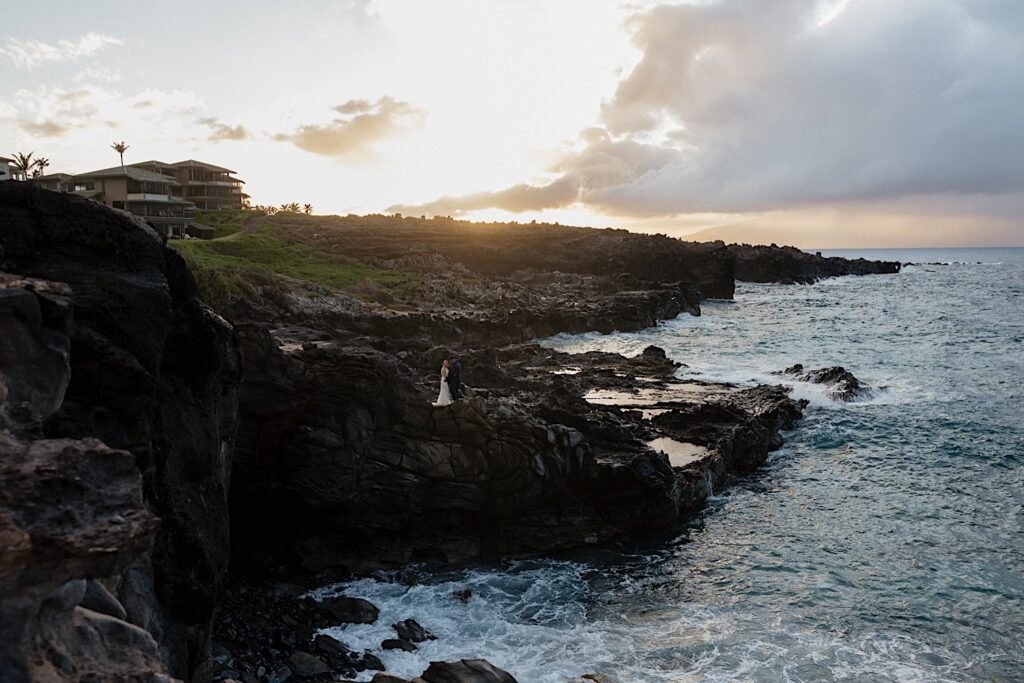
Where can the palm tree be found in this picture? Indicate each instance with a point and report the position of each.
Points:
(24, 162)
(307, 209)
(120, 148)
(41, 164)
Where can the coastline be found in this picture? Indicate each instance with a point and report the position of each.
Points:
(335, 434)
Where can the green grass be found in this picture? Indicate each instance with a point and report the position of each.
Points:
(226, 221)
(226, 270)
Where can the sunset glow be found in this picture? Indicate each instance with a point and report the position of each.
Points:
(829, 124)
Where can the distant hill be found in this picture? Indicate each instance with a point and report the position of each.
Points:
(751, 232)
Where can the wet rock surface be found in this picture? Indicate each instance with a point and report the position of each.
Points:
(841, 383)
(268, 630)
(464, 671)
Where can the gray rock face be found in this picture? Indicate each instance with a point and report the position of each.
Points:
(69, 509)
(98, 599)
(35, 350)
(119, 349)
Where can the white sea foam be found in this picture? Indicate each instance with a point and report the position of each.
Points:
(544, 626)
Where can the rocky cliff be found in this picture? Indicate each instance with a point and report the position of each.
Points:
(790, 265)
(121, 395)
(119, 405)
(342, 456)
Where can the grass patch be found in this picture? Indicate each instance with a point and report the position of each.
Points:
(226, 221)
(237, 268)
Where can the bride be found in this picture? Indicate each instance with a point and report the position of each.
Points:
(444, 397)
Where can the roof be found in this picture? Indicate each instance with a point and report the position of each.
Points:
(152, 162)
(51, 176)
(7, 160)
(129, 171)
(203, 164)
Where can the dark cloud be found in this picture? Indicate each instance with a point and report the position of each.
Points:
(750, 105)
(518, 198)
(222, 131)
(361, 124)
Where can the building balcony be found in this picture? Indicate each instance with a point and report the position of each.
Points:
(217, 183)
(147, 197)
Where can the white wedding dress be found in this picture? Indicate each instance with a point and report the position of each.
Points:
(444, 397)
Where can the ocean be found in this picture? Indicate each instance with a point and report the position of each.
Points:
(883, 542)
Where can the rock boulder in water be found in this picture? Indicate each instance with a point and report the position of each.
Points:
(843, 386)
(464, 671)
(411, 631)
(397, 644)
(351, 610)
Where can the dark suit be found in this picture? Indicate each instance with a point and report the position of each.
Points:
(455, 379)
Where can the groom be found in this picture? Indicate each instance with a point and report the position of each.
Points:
(454, 377)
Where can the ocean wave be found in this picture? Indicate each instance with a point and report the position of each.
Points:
(546, 625)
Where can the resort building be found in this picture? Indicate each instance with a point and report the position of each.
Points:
(58, 182)
(207, 186)
(155, 197)
(166, 195)
(8, 171)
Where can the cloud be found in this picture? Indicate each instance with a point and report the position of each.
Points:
(754, 105)
(87, 113)
(360, 125)
(47, 128)
(26, 54)
(222, 131)
(518, 198)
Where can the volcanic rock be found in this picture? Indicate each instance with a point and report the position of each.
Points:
(789, 265)
(411, 631)
(397, 644)
(464, 671)
(306, 665)
(347, 610)
(843, 385)
(328, 645)
(151, 372)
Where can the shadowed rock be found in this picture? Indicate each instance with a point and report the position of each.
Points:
(350, 610)
(146, 368)
(789, 265)
(464, 671)
(411, 631)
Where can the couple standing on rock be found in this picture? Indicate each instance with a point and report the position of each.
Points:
(451, 380)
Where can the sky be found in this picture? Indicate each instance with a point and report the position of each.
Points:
(820, 123)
